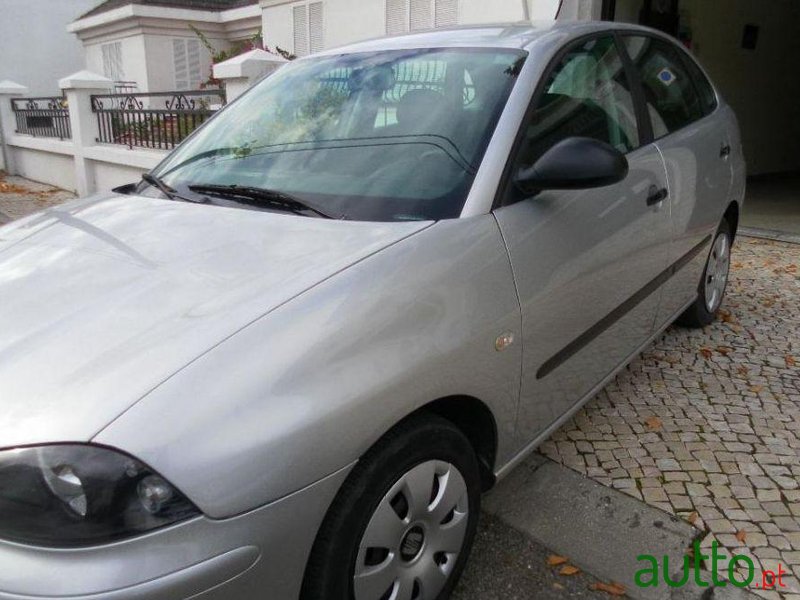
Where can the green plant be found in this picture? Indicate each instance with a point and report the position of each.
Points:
(218, 56)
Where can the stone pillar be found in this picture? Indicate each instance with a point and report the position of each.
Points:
(8, 123)
(241, 72)
(79, 88)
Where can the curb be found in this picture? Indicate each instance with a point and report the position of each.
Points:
(602, 530)
(770, 234)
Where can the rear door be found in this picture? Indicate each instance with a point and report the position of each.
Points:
(585, 262)
(693, 136)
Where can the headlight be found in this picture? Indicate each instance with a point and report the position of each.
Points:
(79, 495)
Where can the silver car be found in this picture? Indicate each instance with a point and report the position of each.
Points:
(287, 363)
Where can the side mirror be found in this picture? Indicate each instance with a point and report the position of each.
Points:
(575, 163)
(127, 189)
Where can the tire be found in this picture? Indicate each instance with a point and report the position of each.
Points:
(426, 472)
(711, 291)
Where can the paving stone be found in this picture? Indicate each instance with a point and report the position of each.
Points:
(768, 495)
(728, 447)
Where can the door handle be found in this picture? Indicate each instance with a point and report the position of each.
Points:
(655, 195)
(725, 151)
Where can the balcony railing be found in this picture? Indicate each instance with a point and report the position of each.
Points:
(42, 117)
(156, 120)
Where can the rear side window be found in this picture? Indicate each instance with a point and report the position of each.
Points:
(588, 95)
(671, 96)
(707, 96)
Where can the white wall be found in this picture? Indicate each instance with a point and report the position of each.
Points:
(45, 167)
(762, 84)
(35, 48)
(134, 58)
(52, 161)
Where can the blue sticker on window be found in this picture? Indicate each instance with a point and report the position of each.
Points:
(666, 77)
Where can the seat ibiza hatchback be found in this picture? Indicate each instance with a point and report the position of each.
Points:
(287, 363)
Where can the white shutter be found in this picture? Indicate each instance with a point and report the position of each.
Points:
(315, 27)
(421, 17)
(396, 16)
(194, 64)
(180, 64)
(301, 45)
(446, 13)
(112, 61)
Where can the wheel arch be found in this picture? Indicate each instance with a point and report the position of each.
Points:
(476, 421)
(732, 217)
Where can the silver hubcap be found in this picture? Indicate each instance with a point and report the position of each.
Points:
(717, 272)
(412, 542)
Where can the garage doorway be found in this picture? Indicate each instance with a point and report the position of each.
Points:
(751, 49)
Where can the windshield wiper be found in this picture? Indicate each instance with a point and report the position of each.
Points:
(170, 193)
(262, 195)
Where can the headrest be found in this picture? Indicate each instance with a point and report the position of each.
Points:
(418, 106)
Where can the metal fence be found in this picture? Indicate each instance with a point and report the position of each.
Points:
(42, 117)
(156, 120)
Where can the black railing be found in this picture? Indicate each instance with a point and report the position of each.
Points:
(42, 117)
(157, 120)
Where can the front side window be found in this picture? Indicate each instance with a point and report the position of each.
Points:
(670, 95)
(586, 95)
(395, 135)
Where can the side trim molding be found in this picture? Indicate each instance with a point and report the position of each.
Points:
(620, 311)
(548, 431)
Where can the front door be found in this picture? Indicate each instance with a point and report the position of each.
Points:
(585, 262)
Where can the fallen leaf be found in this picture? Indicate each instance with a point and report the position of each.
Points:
(706, 352)
(741, 536)
(790, 361)
(613, 588)
(569, 570)
(554, 560)
(726, 316)
(653, 423)
(692, 518)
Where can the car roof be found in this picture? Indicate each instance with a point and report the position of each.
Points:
(522, 35)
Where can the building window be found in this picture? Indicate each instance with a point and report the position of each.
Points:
(187, 62)
(414, 15)
(308, 28)
(112, 61)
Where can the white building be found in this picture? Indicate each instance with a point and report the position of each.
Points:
(151, 43)
(750, 47)
(307, 26)
(35, 48)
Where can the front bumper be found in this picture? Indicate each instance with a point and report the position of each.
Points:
(261, 554)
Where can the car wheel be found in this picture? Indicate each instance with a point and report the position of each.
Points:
(402, 525)
(714, 282)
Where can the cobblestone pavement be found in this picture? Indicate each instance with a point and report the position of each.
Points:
(20, 197)
(706, 423)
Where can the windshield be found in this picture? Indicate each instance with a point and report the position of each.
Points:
(383, 136)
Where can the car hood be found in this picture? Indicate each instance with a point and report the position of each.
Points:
(103, 299)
